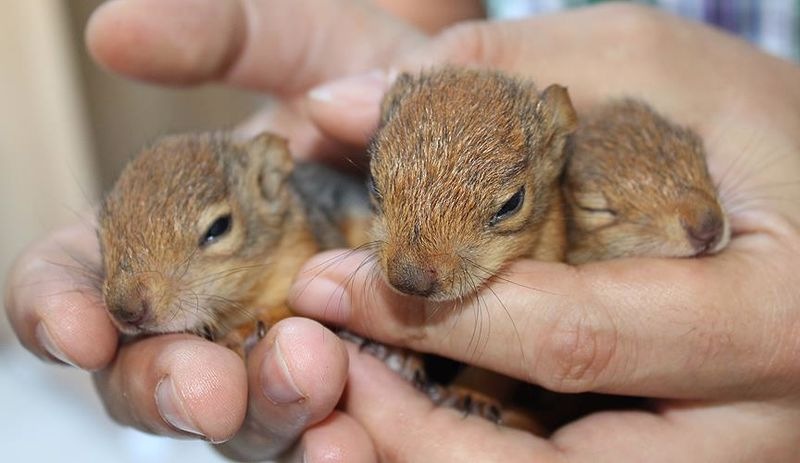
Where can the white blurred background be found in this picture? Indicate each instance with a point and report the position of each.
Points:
(66, 128)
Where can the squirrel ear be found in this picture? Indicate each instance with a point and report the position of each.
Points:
(558, 107)
(391, 100)
(270, 155)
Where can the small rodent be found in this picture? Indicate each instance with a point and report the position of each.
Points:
(635, 184)
(465, 169)
(464, 177)
(204, 234)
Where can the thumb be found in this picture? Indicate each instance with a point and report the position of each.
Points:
(280, 46)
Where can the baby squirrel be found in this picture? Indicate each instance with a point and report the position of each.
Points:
(204, 234)
(465, 171)
(636, 184)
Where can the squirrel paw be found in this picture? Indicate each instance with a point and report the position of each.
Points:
(243, 338)
(409, 365)
(466, 401)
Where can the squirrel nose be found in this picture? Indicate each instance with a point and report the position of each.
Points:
(132, 312)
(705, 231)
(412, 279)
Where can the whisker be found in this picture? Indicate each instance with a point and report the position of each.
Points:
(328, 263)
(513, 323)
(499, 275)
(211, 278)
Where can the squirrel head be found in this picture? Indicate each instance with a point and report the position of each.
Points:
(638, 185)
(187, 227)
(463, 168)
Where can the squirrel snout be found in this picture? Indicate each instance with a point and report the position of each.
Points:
(704, 230)
(133, 311)
(416, 280)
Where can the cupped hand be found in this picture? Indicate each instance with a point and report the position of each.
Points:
(180, 385)
(716, 338)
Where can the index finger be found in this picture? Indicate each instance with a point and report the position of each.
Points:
(680, 328)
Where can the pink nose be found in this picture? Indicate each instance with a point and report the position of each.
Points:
(132, 312)
(412, 279)
(705, 231)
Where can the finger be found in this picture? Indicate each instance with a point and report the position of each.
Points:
(348, 109)
(281, 46)
(681, 432)
(338, 438)
(296, 377)
(395, 415)
(54, 302)
(678, 328)
(406, 426)
(290, 120)
(176, 385)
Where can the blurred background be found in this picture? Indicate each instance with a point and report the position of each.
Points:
(66, 129)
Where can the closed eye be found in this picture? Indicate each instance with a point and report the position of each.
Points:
(595, 210)
(219, 228)
(510, 207)
(374, 192)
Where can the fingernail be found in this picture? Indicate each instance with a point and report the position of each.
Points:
(171, 408)
(321, 298)
(367, 88)
(46, 340)
(276, 379)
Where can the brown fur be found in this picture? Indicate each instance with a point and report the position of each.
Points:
(453, 146)
(154, 219)
(634, 184)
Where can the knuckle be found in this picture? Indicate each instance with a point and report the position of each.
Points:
(577, 351)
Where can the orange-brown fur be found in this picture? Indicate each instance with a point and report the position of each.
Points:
(153, 221)
(634, 184)
(453, 146)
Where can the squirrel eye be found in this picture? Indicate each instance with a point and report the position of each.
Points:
(217, 229)
(373, 189)
(510, 207)
(374, 193)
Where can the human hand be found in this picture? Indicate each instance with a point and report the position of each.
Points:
(715, 338)
(180, 385)
(279, 47)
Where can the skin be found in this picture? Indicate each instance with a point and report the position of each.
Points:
(742, 381)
